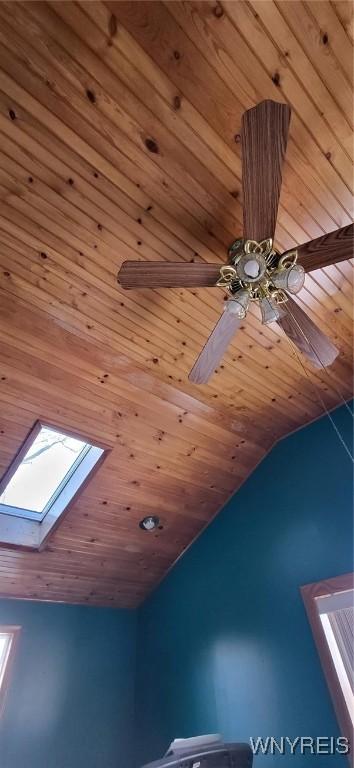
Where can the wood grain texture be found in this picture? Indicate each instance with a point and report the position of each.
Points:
(328, 249)
(120, 128)
(264, 136)
(215, 348)
(307, 337)
(140, 274)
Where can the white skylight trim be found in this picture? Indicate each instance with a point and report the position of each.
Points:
(42, 480)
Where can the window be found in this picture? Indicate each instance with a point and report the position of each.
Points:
(8, 636)
(330, 608)
(44, 477)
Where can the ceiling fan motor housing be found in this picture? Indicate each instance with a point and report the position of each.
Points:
(258, 272)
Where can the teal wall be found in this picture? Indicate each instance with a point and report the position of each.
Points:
(224, 643)
(71, 699)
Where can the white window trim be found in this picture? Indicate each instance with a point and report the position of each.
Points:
(13, 633)
(315, 596)
(339, 666)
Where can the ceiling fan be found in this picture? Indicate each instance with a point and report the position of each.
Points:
(256, 271)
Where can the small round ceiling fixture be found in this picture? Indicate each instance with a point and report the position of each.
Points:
(149, 523)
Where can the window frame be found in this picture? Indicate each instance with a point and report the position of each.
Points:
(5, 680)
(22, 529)
(310, 592)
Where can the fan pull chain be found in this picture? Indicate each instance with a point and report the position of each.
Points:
(319, 397)
(320, 362)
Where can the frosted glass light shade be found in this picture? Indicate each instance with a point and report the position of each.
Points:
(251, 268)
(269, 311)
(291, 279)
(238, 305)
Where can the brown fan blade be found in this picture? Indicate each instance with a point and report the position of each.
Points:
(327, 249)
(308, 338)
(215, 347)
(264, 136)
(167, 274)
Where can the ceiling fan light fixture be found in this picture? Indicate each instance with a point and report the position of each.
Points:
(291, 279)
(270, 313)
(239, 304)
(256, 271)
(251, 268)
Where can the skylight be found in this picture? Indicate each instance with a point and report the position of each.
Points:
(50, 459)
(46, 474)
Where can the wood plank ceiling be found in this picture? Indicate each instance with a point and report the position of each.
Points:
(120, 139)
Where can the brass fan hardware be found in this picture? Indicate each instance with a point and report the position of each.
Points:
(256, 270)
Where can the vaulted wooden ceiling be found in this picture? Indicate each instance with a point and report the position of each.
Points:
(120, 138)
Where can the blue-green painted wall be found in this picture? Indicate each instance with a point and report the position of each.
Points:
(224, 643)
(71, 699)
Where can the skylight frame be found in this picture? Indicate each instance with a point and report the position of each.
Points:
(26, 529)
(30, 514)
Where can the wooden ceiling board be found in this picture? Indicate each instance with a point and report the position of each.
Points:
(120, 139)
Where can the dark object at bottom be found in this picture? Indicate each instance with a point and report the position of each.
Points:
(220, 756)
